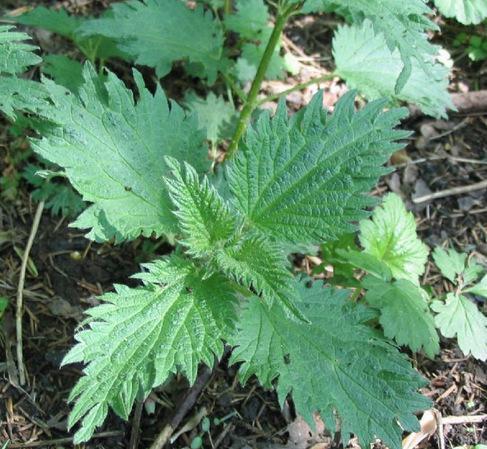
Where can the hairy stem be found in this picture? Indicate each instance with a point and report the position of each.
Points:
(301, 86)
(251, 103)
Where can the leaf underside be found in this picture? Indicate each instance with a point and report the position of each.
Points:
(404, 314)
(467, 12)
(365, 61)
(459, 316)
(404, 25)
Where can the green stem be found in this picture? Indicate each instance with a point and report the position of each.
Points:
(356, 294)
(234, 87)
(251, 103)
(227, 8)
(301, 86)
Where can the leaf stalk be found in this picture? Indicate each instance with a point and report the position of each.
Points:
(251, 103)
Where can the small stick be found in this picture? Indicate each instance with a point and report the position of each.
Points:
(441, 433)
(134, 435)
(110, 434)
(449, 192)
(186, 404)
(464, 419)
(20, 291)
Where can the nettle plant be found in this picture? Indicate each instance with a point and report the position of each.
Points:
(287, 184)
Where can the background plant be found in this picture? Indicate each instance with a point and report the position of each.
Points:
(287, 184)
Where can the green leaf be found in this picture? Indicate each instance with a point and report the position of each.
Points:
(303, 179)
(212, 231)
(112, 149)
(60, 22)
(459, 316)
(157, 33)
(365, 61)
(56, 20)
(64, 71)
(251, 22)
(391, 237)
(139, 336)
(15, 57)
(213, 112)
(480, 288)
(3, 305)
(404, 25)
(404, 313)
(203, 216)
(336, 363)
(467, 12)
(61, 199)
(450, 263)
(256, 262)
(472, 272)
(250, 19)
(366, 262)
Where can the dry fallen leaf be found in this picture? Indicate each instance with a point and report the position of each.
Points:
(429, 425)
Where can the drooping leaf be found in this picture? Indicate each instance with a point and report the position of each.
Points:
(459, 316)
(60, 198)
(203, 216)
(112, 149)
(403, 24)
(16, 56)
(303, 179)
(391, 237)
(336, 363)
(467, 12)
(365, 61)
(137, 337)
(213, 112)
(157, 33)
(404, 313)
(450, 262)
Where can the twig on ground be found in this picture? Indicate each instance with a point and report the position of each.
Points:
(186, 404)
(441, 434)
(134, 435)
(20, 290)
(301, 86)
(449, 192)
(57, 441)
(229, 428)
(191, 424)
(464, 419)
